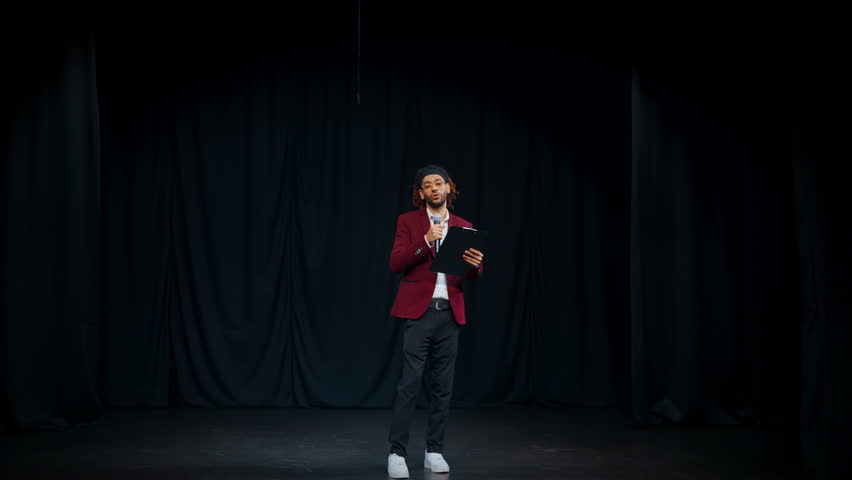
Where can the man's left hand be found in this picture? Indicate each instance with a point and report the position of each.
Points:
(473, 257)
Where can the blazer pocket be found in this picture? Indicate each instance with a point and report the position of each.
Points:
(410, 281)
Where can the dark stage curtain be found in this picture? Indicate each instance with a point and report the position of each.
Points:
(250, 205)
(51, 228)
(820, 149)
(714, 304)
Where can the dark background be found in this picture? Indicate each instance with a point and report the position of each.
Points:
(198, 210)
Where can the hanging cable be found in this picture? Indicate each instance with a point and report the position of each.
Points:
(358, 60)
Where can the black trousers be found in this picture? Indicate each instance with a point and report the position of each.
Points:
(434, 335)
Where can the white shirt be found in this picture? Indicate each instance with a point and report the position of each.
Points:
(441, 284)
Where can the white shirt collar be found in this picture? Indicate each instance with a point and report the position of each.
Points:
(429, 214)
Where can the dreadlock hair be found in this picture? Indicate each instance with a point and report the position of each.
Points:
(419, 202)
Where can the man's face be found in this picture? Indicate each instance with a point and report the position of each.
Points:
(434, 190)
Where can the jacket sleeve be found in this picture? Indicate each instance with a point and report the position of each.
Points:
(405, 253)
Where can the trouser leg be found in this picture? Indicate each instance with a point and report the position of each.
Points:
(414, 350)
(442, 361)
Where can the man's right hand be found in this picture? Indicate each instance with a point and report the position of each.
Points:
(434, 233)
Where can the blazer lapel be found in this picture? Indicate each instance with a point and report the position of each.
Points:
(454, 222)
(425, 220)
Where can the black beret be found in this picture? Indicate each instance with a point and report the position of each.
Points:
(429, 170)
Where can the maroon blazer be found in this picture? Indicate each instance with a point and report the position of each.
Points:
(412, 257)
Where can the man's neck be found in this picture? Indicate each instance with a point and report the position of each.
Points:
(441, 211)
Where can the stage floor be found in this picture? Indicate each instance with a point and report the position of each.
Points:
(487, 443)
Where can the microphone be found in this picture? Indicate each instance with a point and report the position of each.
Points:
(436, 219)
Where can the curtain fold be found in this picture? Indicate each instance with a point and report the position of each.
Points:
(713, 304)
(820, 106)
(51, 223)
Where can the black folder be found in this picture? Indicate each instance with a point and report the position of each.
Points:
(450, 257)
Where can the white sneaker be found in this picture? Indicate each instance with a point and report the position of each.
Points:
(436, 463)
(397, 467)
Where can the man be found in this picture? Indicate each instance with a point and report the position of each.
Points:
(432, 305)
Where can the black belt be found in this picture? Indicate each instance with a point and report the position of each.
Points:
(440, 304)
